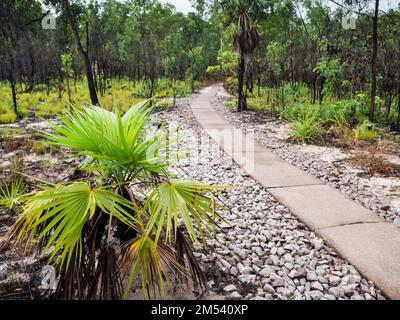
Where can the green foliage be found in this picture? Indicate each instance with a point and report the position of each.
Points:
(331, 70)
(275, 51)
(65, 210)
(66, 64)
(226, 68)
(120, 95)
(126, 182)
(164, 103)
(144, 89)
(7, 114)
(231, 104)
(365, 132)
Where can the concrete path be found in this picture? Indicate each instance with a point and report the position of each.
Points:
(357, 234)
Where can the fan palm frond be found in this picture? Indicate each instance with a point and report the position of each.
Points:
(152, 261)
(192, 202)
(57, 215)
(12, 195)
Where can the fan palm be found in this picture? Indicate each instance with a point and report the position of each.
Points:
(245, 41)
(245, 36)
(122, 214)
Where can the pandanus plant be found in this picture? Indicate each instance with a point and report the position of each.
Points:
(122, 215)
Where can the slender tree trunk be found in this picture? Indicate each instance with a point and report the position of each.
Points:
(89, 74)
(240, 84)
(14, 95)
(314, 89)
(373, 61)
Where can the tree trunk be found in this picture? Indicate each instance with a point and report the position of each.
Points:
(14, 96)
(69, 91)
(373, 61)
(88, 68)
(242, 101)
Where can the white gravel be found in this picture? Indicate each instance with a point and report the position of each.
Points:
(266, 252)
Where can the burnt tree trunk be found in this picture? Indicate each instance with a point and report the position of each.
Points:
(85, 56)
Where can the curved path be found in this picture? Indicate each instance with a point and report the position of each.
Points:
(358, 235)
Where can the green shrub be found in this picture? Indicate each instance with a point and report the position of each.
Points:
(11, 194)
(257, 104)
(125, 194)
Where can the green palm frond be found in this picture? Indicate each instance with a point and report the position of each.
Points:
(193, 202)
(117, 146)
(12, 195)
(58, 215)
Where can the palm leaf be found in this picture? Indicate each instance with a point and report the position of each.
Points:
(150, 260)
(58, 214)
(186, 200)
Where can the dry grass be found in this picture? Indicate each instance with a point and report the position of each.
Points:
(374, 162)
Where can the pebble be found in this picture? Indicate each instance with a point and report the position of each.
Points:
(230, 288)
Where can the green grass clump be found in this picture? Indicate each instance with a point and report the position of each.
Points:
(7, 116)
(165, 103)
(257, 104)
(231, 104)
(11, 194)
(307, 127)
(365, 132)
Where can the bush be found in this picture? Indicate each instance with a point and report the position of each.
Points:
(123, 215)
(165, 103)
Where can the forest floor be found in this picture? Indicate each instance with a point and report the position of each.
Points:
(265, 251)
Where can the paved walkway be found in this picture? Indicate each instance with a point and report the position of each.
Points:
(357, 234)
